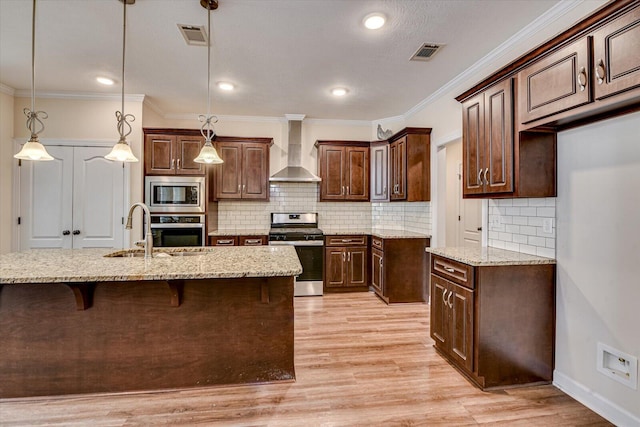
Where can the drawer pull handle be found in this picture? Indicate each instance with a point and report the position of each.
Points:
(486, 171)
(253, 242)
(449, 299)
(225, 242)
(178, 164)
(480, 177)
(450, 270)
(600, 71)
(582, 78)
(444, 297)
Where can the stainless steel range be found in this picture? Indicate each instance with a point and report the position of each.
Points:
(301, 231)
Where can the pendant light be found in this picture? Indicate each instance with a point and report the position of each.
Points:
(208, 153)
(33, 149)
(121, 152)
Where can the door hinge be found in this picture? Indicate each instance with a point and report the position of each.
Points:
(122, 220)
(19, 220)
(459, 218)
(19, 162)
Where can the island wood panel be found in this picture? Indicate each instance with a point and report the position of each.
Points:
(225, 331)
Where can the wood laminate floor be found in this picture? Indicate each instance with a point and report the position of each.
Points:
(359, 362)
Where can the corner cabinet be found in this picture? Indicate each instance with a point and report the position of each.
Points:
(495, 323)
(346, 263)
(344, 169)
(379, 171)
(498, 162)
(172, 151)
(399, 269)
(244, 175)
(410, 165)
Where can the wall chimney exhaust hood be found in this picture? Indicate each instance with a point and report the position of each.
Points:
(294, 172)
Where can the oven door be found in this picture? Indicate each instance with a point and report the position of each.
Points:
(174, 194)
(311, 255)
(172, 235)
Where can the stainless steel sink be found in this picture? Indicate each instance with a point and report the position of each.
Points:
(134, 253)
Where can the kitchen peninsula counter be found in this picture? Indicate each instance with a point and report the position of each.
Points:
(74, 321)
(489, 256)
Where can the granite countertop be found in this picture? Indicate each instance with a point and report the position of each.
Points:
(383, 233)
(489, 256)
(91, 265)
(249, 232)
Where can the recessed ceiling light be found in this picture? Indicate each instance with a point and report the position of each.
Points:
(105, 81)
(226, 86)
(373, 21)
(339, 91)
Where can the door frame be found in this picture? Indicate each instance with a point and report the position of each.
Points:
(16, 201)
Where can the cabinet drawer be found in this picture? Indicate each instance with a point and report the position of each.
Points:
(253, 240)
(454, 271)
(376, 243)
(223, 240)
(346, 240)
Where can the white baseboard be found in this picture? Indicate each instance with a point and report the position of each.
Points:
(594, 401)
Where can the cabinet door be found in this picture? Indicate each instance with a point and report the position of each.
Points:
(255, 173)
(398, 161)
(332, 171)
(357, 173)
(357, 266)
(335, 267)
(461, 327)
(473, 145)
(555, 83)
(159, 155)
(228, 174)
(379, 170)
(616, 48)
(187, 149)
(439, 312)
(377, 271)
(498, 134)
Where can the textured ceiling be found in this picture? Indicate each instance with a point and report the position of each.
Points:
(283, 55)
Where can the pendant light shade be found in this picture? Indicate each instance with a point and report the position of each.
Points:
(33, 149)
(208, 153)
(121, 152)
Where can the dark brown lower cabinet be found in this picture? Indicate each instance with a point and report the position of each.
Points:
(346, 264)
(495, 323)
(399, 269)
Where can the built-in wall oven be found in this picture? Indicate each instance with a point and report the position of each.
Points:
(177, 230)
(175, 194)
(300, 230)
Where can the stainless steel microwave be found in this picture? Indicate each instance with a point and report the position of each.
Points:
(172, 194)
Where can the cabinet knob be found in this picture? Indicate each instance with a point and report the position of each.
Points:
(66, 232)
(76, 232)
(582, 78)
(600, 71)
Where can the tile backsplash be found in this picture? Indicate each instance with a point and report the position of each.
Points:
(518, 225)
(303, 197)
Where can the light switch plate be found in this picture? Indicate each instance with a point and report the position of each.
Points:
(547, 225)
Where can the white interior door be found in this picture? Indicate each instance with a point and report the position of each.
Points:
(470, 219)
(73, 201)
(46, 201)
(97, 199)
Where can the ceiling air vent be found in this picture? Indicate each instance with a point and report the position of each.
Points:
(425, 52)
(193, 35)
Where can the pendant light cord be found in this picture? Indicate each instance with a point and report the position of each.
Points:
(123, 119)
(207, 130)
(34, 117)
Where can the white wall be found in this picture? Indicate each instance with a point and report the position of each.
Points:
(598, 253)
(6, 165)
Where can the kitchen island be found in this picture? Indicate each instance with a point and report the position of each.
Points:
(75, 321)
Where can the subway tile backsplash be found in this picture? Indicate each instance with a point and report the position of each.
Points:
(518, 225)
(303, 197)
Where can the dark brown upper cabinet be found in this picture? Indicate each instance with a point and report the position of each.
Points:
(487, 137)
(344, 169)
(410, 165)
(172, 153)
(244, 175)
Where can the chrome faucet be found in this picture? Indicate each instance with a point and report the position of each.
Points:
(147, 243)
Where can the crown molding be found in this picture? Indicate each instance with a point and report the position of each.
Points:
(338, 122)
(8, 90)
(227, 118)
(556, 12)
(87, 96)
(296, 117)
(152, 106)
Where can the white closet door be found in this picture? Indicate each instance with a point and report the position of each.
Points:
(46, 200)
(98, 192)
